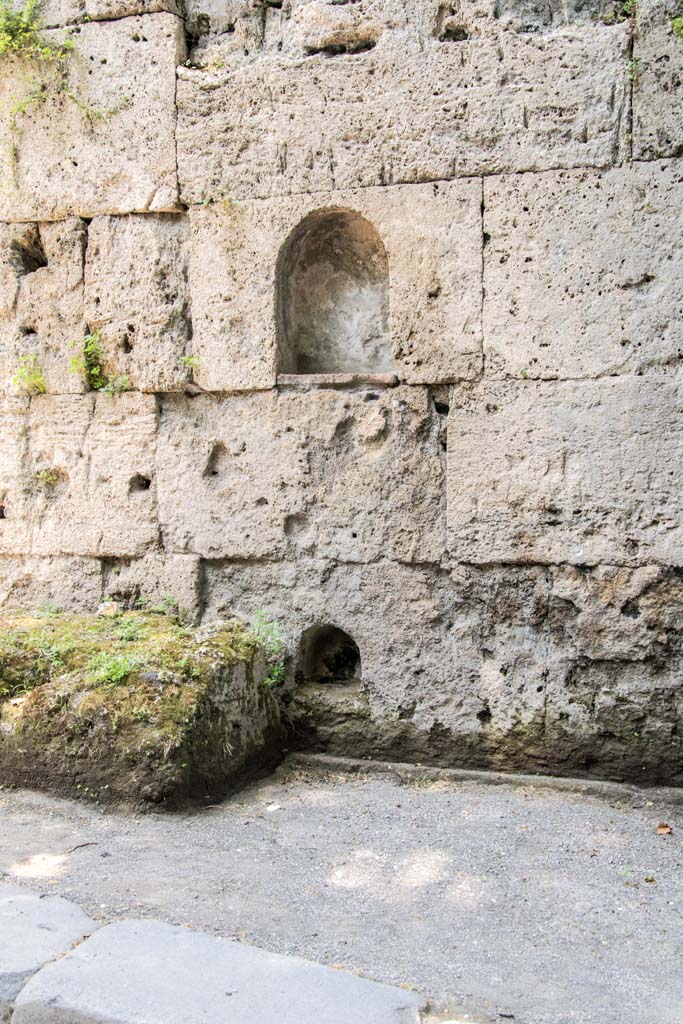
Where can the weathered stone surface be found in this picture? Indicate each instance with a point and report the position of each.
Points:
(133, 706)
(560, 669)
(15, 523)
(145, 971)
(42, 301)
(54, 13)
(111, 150)
(353, 476)
(581, 472)
(70, 583)
(581, 276)
(155, 579)
(101, 450)
(35, 929)
(432, 236)
(657, 129)
(343, 100)
(137, 297)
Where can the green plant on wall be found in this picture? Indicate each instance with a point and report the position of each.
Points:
(269, 635)
(87, 362)
(677, 27)
(22, 43)
(29, 377)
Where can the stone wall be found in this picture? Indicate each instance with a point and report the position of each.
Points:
(497, 526)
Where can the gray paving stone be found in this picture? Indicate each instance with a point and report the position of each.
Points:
(146, 972)
(33, 930)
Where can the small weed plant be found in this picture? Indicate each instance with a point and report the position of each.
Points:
(87, 363)
(47, 478)
(29, 377)
(190, 362)
(677, 27)
(269, 635)
(107, 669)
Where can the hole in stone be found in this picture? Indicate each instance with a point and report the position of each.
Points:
(351, 46)
(126, 345)
(139, 483)
(29, 254)
(216, 462)
(485, 715)
(3, 514)
(328, 655)
(442, 408)
(332, 301)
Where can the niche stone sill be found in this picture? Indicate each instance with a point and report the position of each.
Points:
(306, 381)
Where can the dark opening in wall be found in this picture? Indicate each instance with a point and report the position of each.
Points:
(29, 254)
(332, 297)
(328, 655)
(139, 483)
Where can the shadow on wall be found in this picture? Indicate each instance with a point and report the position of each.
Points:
(328, 655)
(332, 297)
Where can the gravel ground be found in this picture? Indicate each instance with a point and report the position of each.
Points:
(500, 902)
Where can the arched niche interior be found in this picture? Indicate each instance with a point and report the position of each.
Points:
(328, 655)
(332, 304)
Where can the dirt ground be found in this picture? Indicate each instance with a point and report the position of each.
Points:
(508, 902)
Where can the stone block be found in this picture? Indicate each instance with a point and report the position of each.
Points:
(74, 584)
(658, 88)
(432, 237)
(106, 144)
(349, 475)
(15, 493)
(559, 669)
(581, 472)
(99, 451)
(55, 13)
(146, 971)
(35, 929)
(157, 579)
(137, 298)
(43, 302)
(580, 277)
(354, 100)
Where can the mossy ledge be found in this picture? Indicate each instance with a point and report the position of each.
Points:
(133, 707)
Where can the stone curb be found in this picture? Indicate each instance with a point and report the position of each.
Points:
(614, 791)
(149, 972)
(33, 931)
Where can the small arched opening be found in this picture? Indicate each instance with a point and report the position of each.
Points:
(328, 656)
(332, 302)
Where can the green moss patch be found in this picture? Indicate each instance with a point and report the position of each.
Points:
(132, 706)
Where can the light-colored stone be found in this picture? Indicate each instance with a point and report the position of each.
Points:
(155, 580)
(54, 13)
(137, 298)
(432, 237)
(658, 74)
(15, 521)
(352, 476)
(74, 584)
(293, 119)
(34, 929)
(43, 302)
(581, 279)
(111, 149)
(581, 472)
(102, 448)
(146, 972)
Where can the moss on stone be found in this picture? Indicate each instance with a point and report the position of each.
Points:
(132, 705)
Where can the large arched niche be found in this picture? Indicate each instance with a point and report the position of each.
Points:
(332, 302)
